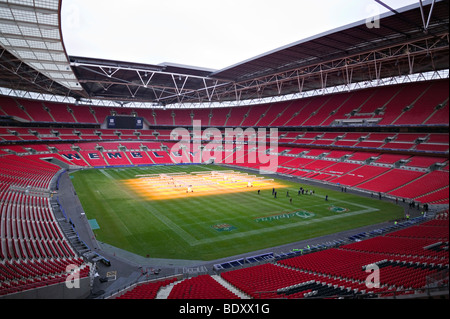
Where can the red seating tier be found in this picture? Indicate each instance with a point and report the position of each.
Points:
(33, 249)
(146, 290)
(391, 180)
(200, 287)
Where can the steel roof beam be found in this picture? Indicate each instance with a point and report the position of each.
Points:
(427, 23)
(377, 58)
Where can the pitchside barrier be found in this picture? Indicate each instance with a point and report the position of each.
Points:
(242, 262)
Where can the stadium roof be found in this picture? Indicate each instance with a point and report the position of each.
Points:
(30, 31)
(409, 40)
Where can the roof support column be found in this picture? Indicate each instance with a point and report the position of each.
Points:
(300, 83)
(427, 23)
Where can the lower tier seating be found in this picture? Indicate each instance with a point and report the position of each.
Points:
(405, 259)
(33, 250)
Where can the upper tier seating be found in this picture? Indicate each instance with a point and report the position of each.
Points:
(424, 107)
(422, 103)
(439, 116)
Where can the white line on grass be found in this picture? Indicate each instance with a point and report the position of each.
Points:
(170, 224)
(191, 241)
(106, 174)
(281, 227)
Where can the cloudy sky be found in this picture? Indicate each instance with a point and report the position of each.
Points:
(202, 33)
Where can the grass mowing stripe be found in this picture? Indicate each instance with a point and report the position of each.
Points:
(165, 219)
(296, 224)
(171, 225)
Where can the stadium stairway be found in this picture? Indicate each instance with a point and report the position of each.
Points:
(227, 285)
(164, 292)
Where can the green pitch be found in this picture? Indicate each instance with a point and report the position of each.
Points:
(216, 226)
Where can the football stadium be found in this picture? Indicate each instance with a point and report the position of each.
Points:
(316, 170)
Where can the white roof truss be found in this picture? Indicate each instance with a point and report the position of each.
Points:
(30, 30)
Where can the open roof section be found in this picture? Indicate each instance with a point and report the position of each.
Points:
(403, 44)
(411, 40)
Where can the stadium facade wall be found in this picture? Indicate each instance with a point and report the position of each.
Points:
(56, 291)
